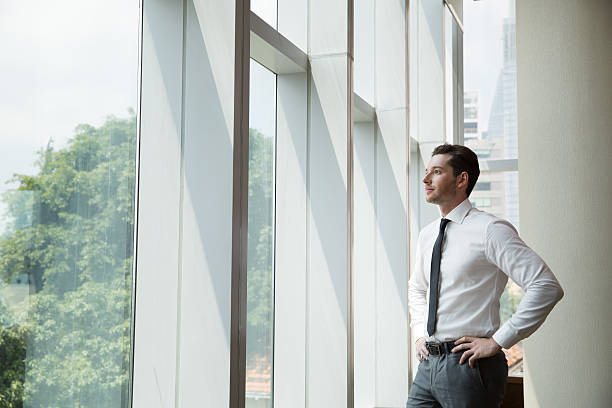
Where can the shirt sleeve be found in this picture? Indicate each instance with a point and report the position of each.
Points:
(506, 250)
(417, 294)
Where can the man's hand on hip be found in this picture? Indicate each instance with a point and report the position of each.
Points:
(421, 351)
(475, 348)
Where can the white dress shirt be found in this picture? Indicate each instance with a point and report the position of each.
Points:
(479, 253)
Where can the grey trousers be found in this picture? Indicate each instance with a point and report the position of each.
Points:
(442, 382)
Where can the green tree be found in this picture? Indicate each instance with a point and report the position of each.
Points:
(12, 361)
(70, 231)
(260, 301)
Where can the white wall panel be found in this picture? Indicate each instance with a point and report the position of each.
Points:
(426, 101)
(364, 50)
(293, 20)
(391, 259)
(390, 35)
(290, 244)
(327, 274)
(426, 34)
(158, 211)
(391, 209)
(328, 30)
(184, 238)
(207, 205)
(364, 268)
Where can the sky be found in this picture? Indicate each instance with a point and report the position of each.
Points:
(262, 99)
(63, 63)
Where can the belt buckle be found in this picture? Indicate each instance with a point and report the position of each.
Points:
(434, 349)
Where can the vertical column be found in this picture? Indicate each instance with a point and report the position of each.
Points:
(391, 208)
(426, 92)
(458, 83)
(364, 220)
(290, 244)
(365, 229)
(206, 224)
(566, 217)
(328, 375)
(155, 346)
(291, 218)
(184, 265)
(426, 107)
(427, 73)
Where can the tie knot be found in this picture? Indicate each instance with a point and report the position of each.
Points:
(443, 223)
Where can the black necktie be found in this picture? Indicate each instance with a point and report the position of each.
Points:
(434, 279)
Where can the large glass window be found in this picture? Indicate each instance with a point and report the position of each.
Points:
(260, 258)
(490, 122)
(67, 176)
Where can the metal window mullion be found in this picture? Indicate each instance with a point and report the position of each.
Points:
(240, 205)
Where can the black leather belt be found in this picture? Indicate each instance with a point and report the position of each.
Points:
(436, 349)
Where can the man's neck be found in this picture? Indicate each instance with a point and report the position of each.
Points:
(446, 208)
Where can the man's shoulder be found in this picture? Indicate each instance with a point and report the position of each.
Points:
(476, 214)
(488, 220)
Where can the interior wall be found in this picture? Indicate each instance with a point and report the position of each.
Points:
(564, 57)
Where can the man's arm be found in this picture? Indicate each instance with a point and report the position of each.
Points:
(417, 294)
(506, 250)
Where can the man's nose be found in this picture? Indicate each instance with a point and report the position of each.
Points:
(426, 178)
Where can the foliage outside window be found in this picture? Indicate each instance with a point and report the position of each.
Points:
(260, 252)
(66, 257)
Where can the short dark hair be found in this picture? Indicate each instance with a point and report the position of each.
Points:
(462, 159)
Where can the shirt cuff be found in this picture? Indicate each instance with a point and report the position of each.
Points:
(506, 336)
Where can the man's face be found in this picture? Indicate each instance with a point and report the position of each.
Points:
(441, 184)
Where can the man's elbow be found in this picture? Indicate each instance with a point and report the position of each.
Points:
(559, 293)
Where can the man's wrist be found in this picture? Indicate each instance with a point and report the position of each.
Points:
(419, 339)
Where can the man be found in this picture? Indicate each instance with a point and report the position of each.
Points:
(463, 262)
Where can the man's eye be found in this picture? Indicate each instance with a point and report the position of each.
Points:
(436, 171)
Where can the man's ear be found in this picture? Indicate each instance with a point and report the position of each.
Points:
(463, 179)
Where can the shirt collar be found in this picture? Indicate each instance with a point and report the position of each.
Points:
(459, 213)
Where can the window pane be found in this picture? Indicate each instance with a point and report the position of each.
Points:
(497, 193)
(490, 118)
(483, 186)
(490, 76)
(67, 175)
(260, 260)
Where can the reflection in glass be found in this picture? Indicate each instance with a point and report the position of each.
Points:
(260, 258)
(67, 175)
